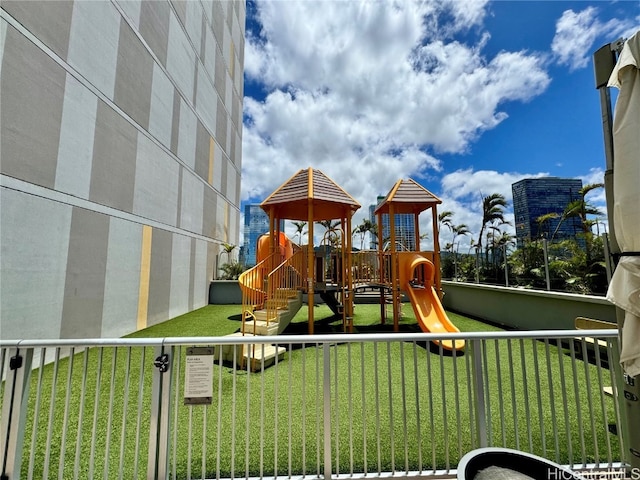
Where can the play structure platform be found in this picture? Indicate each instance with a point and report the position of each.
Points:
(272, 289)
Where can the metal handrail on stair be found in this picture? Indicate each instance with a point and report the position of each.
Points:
(269, 287)
(252, 285)
(283, 284)
(266, 293)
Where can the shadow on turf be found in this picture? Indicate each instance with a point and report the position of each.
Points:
(333, 325)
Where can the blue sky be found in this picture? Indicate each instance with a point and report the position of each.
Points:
(465, 97)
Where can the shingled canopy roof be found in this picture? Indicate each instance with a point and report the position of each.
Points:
(292, 199)
(407, 196)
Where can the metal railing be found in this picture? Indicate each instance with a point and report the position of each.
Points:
(283, 283)
(332, 405)
(366, 267)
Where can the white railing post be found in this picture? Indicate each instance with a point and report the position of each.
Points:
(478, 390)
(14, 409)
(326, 401)
(158, 460)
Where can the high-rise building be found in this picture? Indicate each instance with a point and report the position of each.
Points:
(256, 223)
(534, 197)
(405, 228)
(121, 131)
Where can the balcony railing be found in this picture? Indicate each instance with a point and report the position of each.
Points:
(332, 406)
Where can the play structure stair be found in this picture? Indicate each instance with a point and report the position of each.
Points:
(271, 297)
(263, 324)
(254, 356)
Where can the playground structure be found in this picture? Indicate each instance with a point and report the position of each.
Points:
(273, 288)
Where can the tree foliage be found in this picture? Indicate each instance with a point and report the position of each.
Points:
(300, 226)
(231, 270)
(492, 212)
(574, 265)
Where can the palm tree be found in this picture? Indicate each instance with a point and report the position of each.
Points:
(580, 208)
(231, 271)
(373, 233)
(543, 222)
(492, 211)
(500, 239)
(366, 226)
(300, 230)
(494, 237)
(445, 219)
(458, 230)
(501, 242)
(228, 248)
(472, 245)
(587, 208)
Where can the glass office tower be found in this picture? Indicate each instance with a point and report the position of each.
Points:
(256, 223)
(534, 197)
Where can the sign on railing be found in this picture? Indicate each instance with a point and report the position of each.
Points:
(198, 376)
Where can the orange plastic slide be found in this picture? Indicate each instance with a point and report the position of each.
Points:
(252, 285)
(285, 245)
(426, 304)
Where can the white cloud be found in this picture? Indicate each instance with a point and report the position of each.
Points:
(371, 92)
(576, 34)
(469, 185)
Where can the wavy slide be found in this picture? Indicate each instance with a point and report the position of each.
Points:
(426, 304)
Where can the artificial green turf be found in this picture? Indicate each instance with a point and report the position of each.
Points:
(393, 394)
(220, 320)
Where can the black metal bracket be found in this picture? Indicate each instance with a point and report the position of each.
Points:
(15, 362)
(162, 362)
(629, 380)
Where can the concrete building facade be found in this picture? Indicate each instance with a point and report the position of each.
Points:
(121, 134)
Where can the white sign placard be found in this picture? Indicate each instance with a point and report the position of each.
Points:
(198, 377)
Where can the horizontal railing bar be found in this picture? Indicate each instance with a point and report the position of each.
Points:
(309, 339)
(83, 342)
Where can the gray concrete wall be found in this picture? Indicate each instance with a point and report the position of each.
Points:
(524, 309)
(511, 307)
(225, 292)
(120, 139)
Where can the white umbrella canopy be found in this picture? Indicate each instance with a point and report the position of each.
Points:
(624, 289)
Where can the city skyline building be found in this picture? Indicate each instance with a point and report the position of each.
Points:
(256, 224)
(405, 229)
(121, 147)
(534, 197)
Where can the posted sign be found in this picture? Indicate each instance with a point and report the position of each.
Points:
(198, 376)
